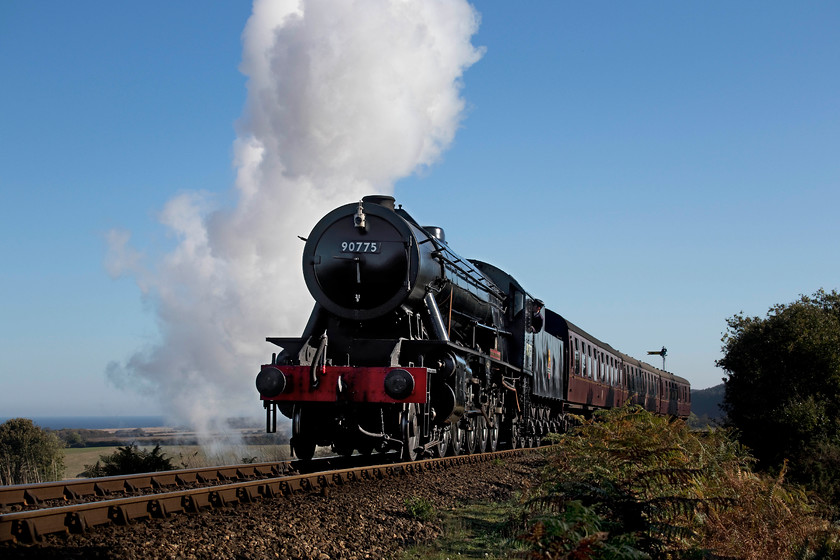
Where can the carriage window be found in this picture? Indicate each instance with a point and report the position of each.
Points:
(603, 367)
(583, 349)
(599, 366)
(600, 358)
(585, 360)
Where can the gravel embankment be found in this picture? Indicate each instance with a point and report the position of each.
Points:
(356, 521)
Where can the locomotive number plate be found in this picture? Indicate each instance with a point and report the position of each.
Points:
(361, 246)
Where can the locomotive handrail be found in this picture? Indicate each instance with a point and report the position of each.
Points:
(481, 282)
(494, 329)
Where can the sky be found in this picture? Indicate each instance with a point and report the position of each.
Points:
(648, 169)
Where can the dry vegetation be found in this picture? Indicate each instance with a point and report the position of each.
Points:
(633, 485)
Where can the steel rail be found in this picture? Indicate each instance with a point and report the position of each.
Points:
(32, 525)
(75, 489)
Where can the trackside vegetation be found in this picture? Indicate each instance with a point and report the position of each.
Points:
(29, 454)
(782, 391)
(129, 459)
(628, 484)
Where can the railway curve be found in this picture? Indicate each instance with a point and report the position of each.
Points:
(31, 526)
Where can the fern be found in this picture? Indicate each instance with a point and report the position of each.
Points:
(629, 484)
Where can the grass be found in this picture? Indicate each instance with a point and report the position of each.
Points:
(478, 530)
(76, 458)
(183, 456)
(420, 508)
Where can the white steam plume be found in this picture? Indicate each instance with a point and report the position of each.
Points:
(344, 97)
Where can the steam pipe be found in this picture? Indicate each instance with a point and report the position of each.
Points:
(515, 394)
(319, 354)
(434, 315)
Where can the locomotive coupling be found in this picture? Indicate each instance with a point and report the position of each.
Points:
(270, 382)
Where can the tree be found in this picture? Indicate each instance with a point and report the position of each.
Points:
(783, 385)
(129, 460)
(28, 453)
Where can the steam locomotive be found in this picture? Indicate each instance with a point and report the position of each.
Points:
(410, 347)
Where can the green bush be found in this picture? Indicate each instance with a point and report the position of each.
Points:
(29, 454)
(420, 508)
(129, 460)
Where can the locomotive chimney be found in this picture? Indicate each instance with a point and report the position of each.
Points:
(380, 199)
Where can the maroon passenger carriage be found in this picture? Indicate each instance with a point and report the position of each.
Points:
(410, 347)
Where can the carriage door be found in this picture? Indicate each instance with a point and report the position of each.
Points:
(534, 321)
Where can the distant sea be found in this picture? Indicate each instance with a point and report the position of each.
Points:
(95, 422)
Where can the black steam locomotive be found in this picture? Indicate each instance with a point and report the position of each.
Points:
(411, 347)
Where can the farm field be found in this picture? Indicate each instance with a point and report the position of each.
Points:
(183, 456)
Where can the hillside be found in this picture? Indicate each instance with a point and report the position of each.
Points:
(705, 403)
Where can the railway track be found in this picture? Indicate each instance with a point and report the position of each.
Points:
(64, 492)
(214, 488)
(36, 496)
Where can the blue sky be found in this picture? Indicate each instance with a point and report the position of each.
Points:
(648, 169)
